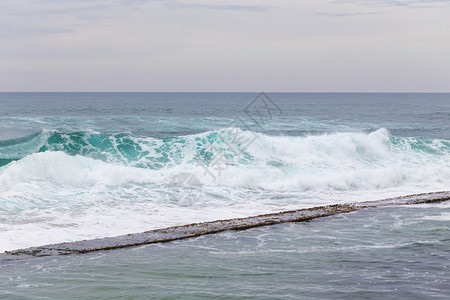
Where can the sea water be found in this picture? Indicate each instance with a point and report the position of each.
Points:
(389, 253)
(79, 166)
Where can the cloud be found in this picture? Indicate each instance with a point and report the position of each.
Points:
(55, 7)
(76, 9)
(137, 2)
(233, 7)
(27, 8)
(380, 4)
(399, 3)
(174, 4)
(10, 31)
(352, 14)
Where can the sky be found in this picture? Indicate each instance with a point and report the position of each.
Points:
(225, 46)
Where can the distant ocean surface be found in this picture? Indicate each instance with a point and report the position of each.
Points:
(77, 166)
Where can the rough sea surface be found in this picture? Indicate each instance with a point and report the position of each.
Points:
(77, 166)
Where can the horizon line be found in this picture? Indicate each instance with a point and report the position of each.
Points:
(242, 92)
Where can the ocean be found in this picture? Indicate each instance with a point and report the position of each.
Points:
(77, 166)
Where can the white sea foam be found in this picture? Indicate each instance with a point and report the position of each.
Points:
(53, 197)
(445, 216)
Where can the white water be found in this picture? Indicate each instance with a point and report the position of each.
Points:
(53, 197)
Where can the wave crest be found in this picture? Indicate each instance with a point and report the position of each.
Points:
(340, 161)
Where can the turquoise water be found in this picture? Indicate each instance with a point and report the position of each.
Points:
(77, 166)
(390, 253)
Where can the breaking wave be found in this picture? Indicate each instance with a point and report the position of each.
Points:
(57, 186)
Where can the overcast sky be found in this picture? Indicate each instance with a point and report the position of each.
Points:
(178, 45)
